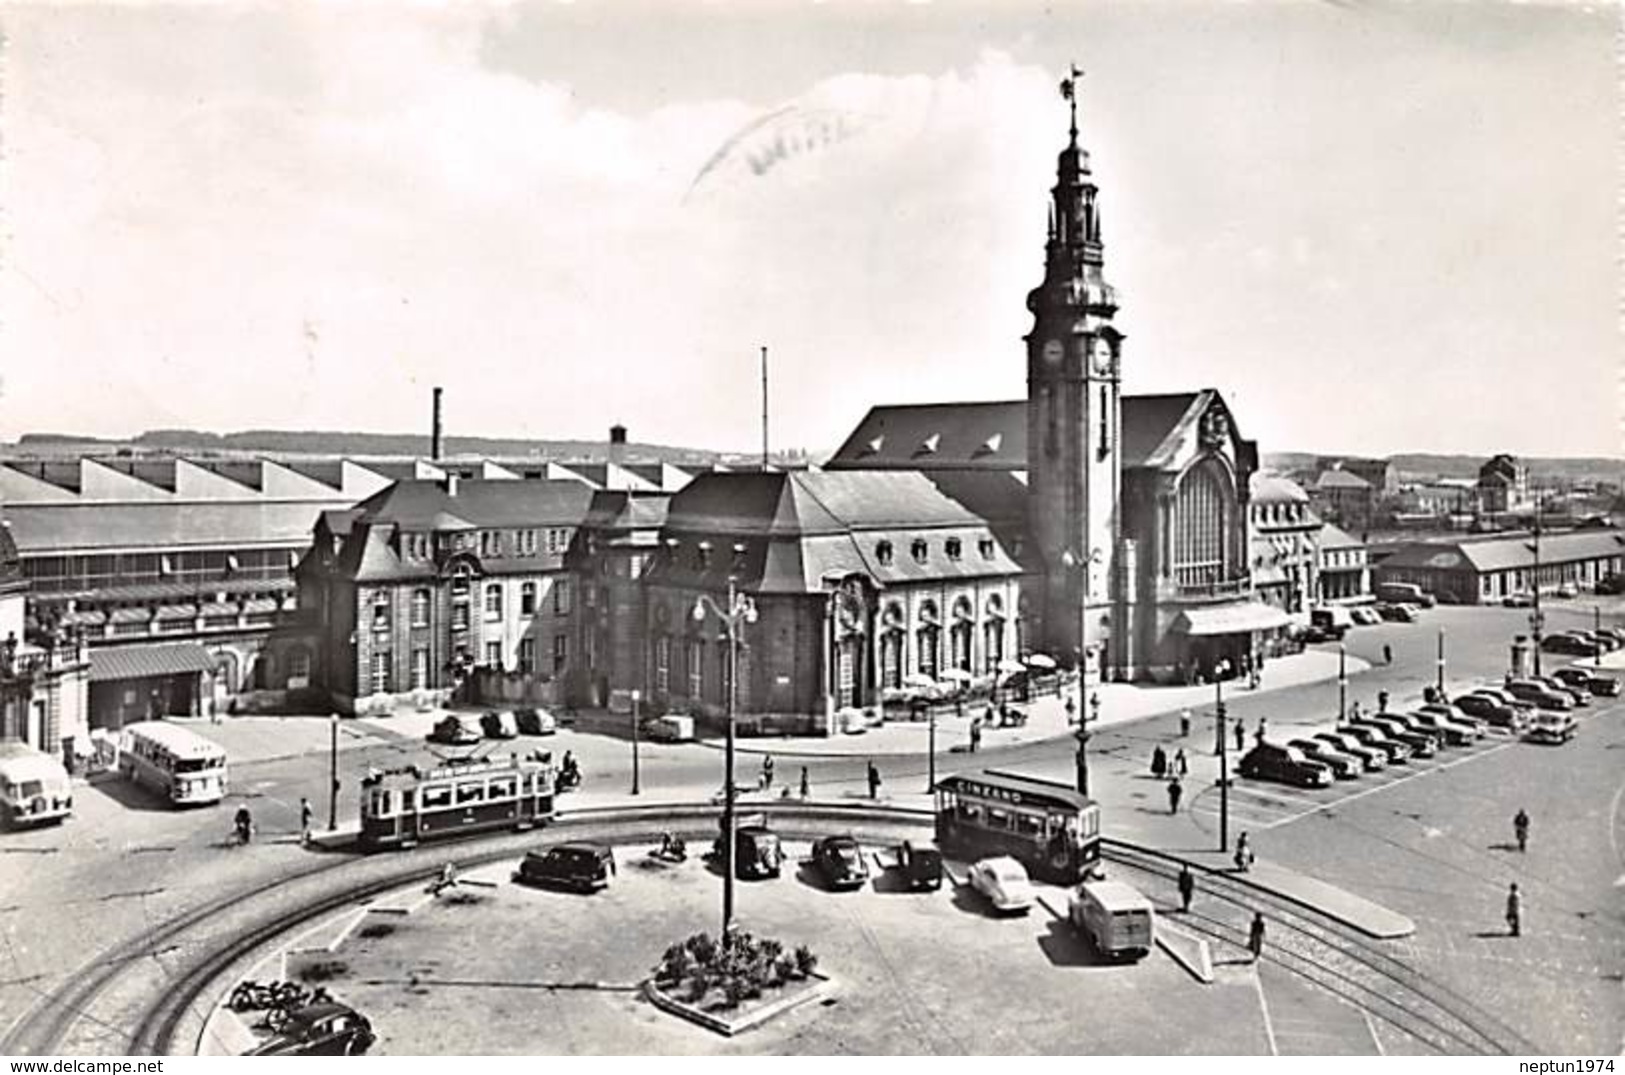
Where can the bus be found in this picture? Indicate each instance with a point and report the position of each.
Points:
(34, 788)
(400, 807)
(1051, 829)
(184, 767)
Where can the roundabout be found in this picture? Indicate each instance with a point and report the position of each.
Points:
(519, 970)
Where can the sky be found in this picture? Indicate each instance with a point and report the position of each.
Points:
(1376, 227)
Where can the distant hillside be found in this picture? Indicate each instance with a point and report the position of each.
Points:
(1423, 465)
(280, 442)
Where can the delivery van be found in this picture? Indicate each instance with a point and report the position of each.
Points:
(1118, 921)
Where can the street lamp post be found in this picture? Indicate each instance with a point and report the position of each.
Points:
(1224, 755)
(635, 788)
(1342, 684)
(741, 609)
(1085, 718)
(333, 773)
(1536, 620)
(931, 754)
(1439, 682)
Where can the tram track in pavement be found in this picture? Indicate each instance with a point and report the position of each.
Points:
(153, 1006)
(1334, 958)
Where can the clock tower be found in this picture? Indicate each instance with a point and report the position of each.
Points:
(1073, 411)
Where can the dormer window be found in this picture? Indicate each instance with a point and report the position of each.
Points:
(991, 445)
(883, 553)
(954, 548)
(985, 547)
(919, 550)
(702, 554)
(873, 446)
(928, 446)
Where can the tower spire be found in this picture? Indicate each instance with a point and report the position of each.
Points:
(1069, 90)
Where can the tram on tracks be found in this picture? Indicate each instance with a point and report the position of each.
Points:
(401, 807)
(1051, 829)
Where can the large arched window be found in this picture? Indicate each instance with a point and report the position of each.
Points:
(926, 642)
(1201, 526)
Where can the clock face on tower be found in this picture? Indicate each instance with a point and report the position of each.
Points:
(1053, 351)
(1101, 357)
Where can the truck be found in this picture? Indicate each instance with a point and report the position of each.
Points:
(1116, 918)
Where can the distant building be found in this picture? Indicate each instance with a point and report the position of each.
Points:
(1344, 575)
(1484, 570)
(1285, 538)
(1503, 486)
(42, 687)
(1344, 498)
(1377, 473)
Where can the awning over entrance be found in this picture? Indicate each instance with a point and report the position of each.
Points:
(139, 662)
(1231, 619)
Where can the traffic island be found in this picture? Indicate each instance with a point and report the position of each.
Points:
(731, 987)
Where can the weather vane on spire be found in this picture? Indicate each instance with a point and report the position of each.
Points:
(1069, 90)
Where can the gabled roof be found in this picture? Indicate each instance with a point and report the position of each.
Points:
(1502, 553)
(423, 504)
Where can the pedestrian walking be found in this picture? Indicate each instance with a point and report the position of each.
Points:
(1514, 911)
(1187, 887)
(1184, 722)
(1387, 654)
(1244, 853)
(1258, 733)
(806, 788)
(1354, 711)
(1255, 936)
(1241, 734)
(305, 814)
(1175, 790)
(1071, 709)
(976, 735)
(1520, 829)
(874, 781)
(1382, 701)
(1159, 762)
(1182, 767)
(767, 771)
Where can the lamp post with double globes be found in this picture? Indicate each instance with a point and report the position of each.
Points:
(740, 610)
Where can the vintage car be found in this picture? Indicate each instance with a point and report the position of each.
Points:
(1550, 727)
(757, 851)
(579, 865)
(1371, 758)
(1583, 679)
(1344, 766)
(1117, 919)
(1003, 882)
(1492, 712)
(1270, 761)
(326, 1029)
(498, 725)
(454, 731)
(921, 863)
(839, 860)
(533, 721)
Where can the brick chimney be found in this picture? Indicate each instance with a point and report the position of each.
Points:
(617, 444)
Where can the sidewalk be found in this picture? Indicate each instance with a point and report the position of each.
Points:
(1120, 703)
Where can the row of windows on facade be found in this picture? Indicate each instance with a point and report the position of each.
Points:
(1280, 514)
(383, 665)
(383, 604)
(492, 544)
(929, 658)
(885, 552)
(56, 573)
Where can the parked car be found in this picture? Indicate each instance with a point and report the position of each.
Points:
(532, 721)
(1584, 679)
(1371, 758)
(1366, 616)
(1448, 732)
(1550, 727)
(1117, 919)
(499, 725)
(1331, 622)
(1539, 694)
(671, 728)
(1421, 744)
(1407, 593)
(1568, 589)
(1270, 761)
(1492, 712)
(1577, 696)
(921, 863)
(1395, 752)
(1444, 711)
(1611, 584)
(1397, 612)
(839, 860)
(1003, 882)
(1506, 698)
(325, 1029)
(757, 851)
(1604, 639)
(579, 865)
(453, 730)
(1344, 766)
(1568, 643)
(1521, 599)
(1614, 634)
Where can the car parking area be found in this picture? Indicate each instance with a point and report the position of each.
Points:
(1256, 803)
